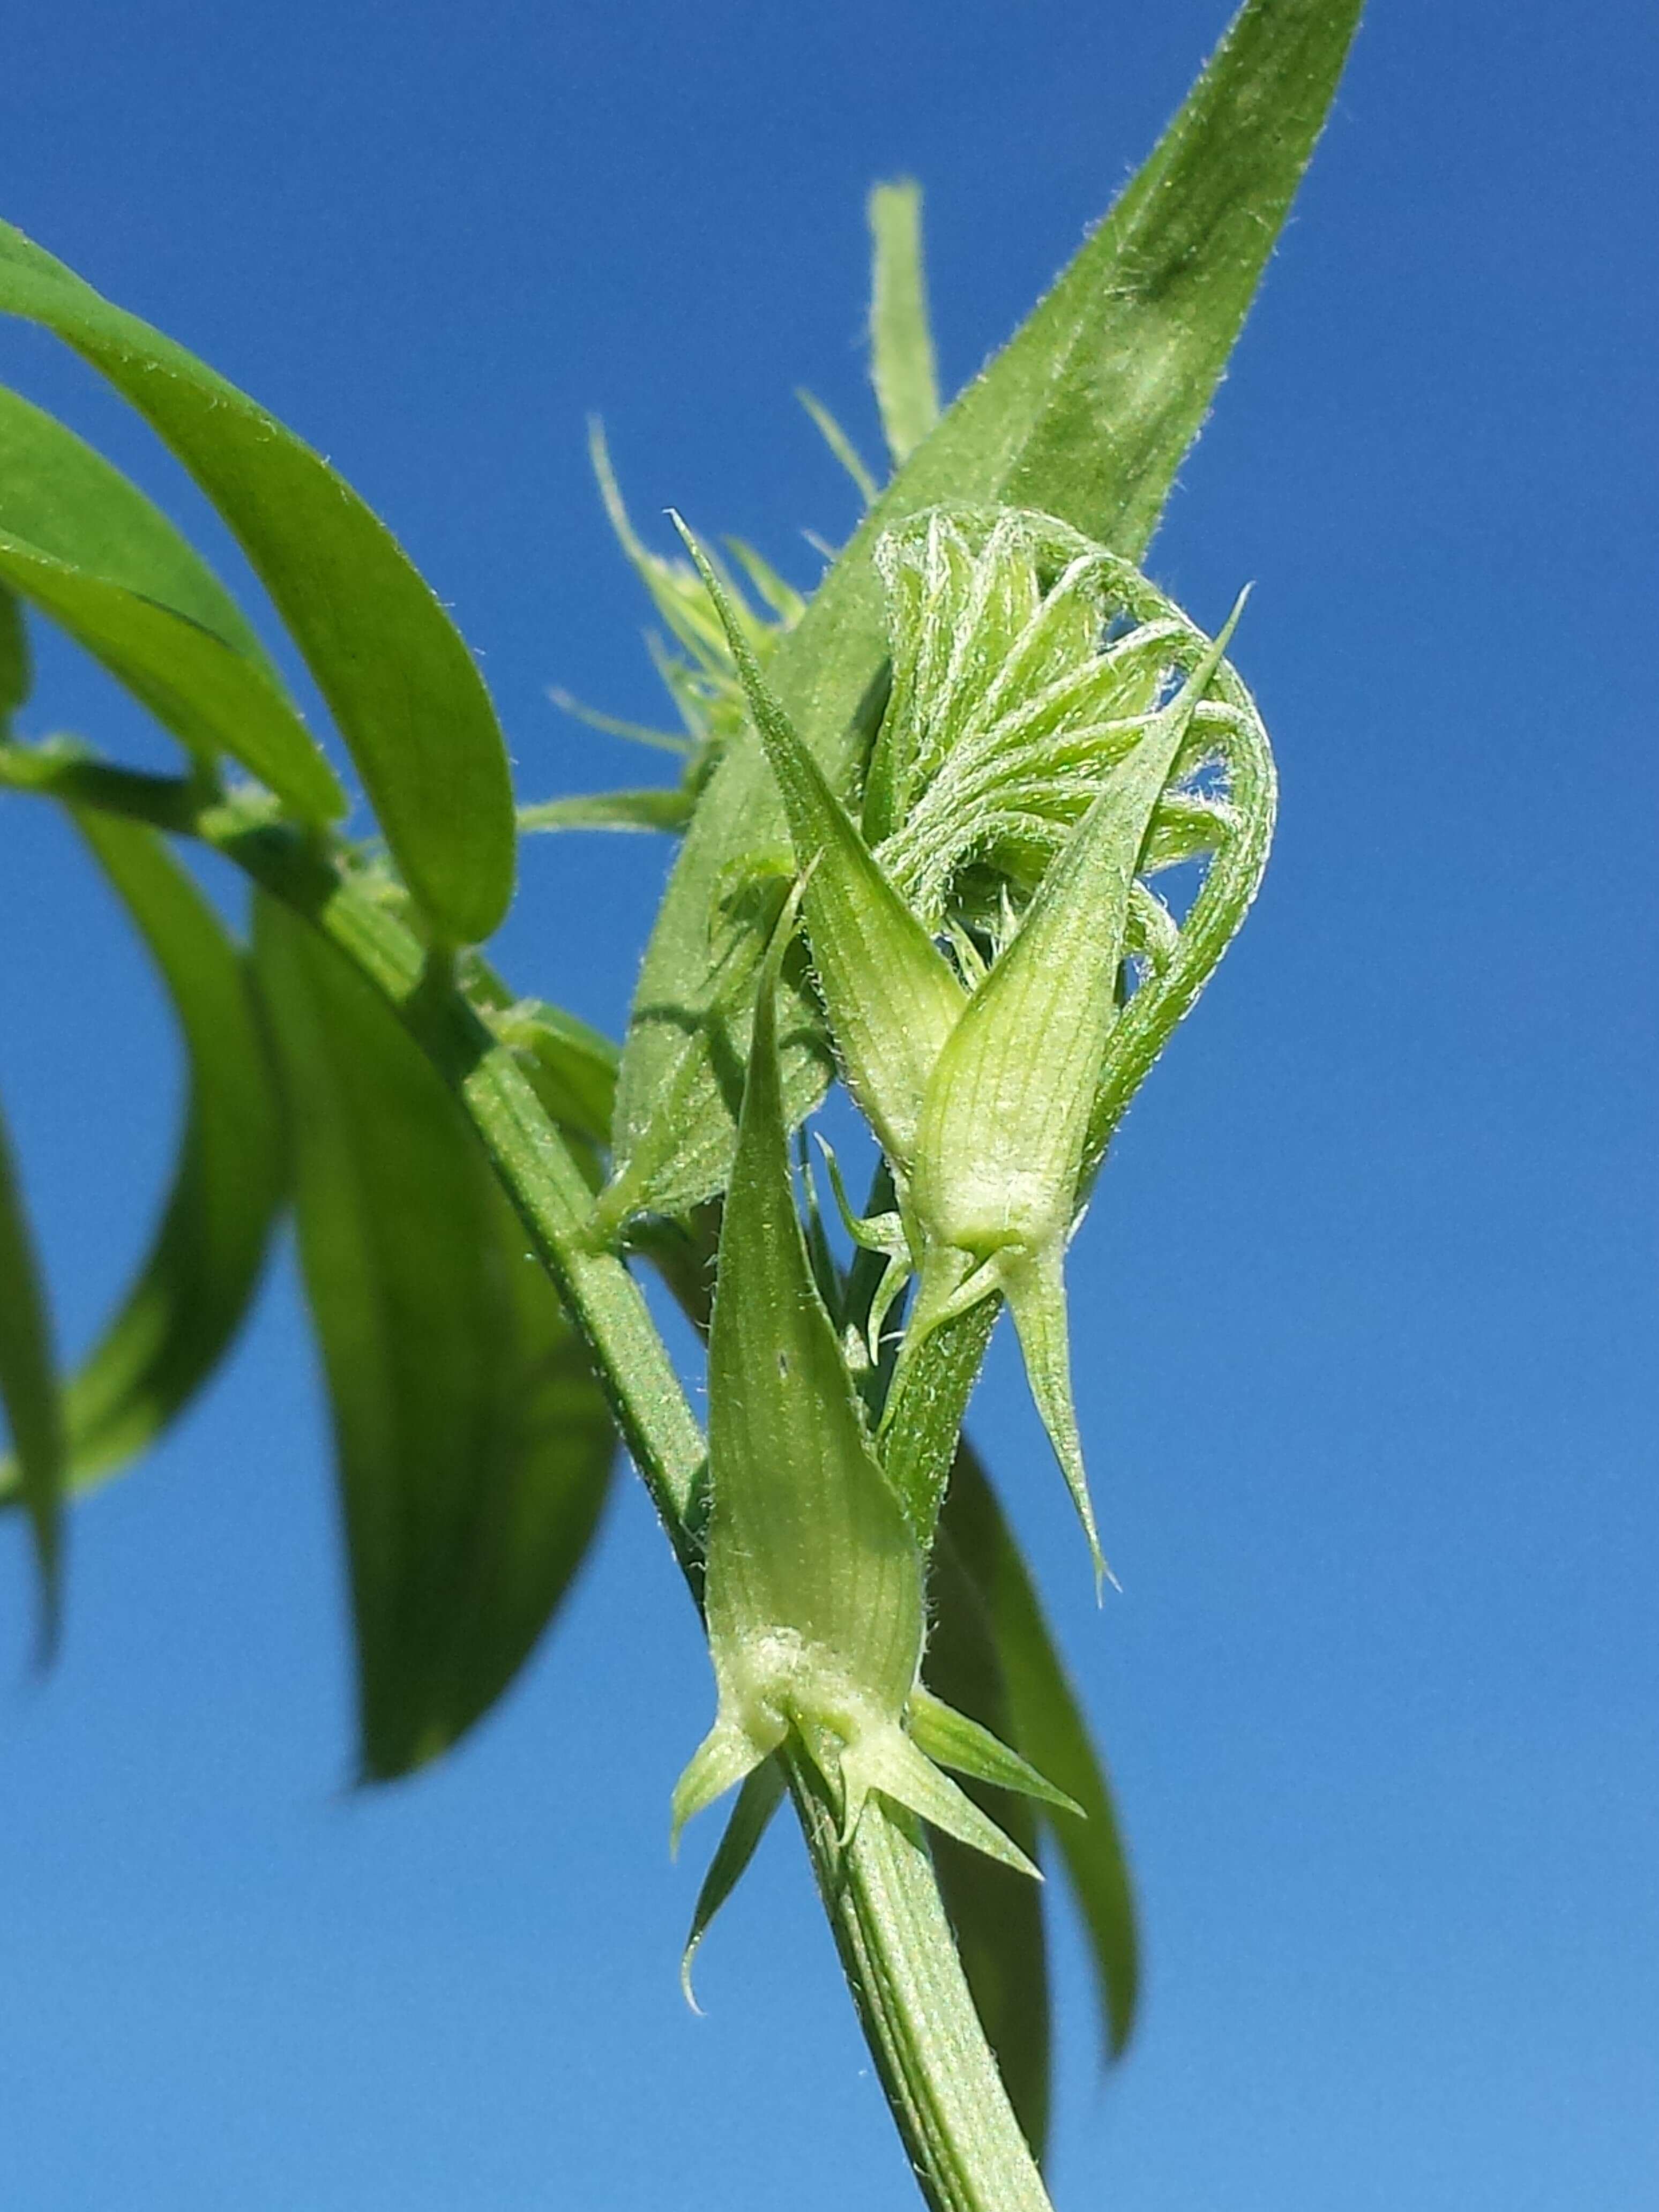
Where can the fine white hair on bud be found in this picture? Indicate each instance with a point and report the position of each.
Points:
(1004, 1132)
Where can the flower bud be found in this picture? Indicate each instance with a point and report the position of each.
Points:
(1003, 1128)
(813, 1587)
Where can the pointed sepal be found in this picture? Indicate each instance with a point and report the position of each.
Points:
(951, 1739)
(727, 1754)
(757, 1801)
(1036, 1291)
(889, 1760)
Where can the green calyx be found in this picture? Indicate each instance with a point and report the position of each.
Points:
(814, 1582)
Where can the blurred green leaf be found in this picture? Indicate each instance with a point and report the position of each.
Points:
(1085, 414)
(841, 446)
(87, 549)
(474, 1445)
(394, 670)
(17, 669)
(901, 341)
(29, 1389)
(198, 1278)
(997, 1916)
(1040, 1717)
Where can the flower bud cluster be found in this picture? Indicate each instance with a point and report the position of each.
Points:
(1057, 732)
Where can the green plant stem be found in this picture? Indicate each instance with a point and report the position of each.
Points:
(901, 1963)
(881, 1894)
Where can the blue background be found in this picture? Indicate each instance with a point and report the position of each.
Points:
(1365, 1304)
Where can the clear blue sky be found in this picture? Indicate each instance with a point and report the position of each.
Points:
(1366, 1313)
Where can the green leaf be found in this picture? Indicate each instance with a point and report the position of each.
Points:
(73, 505)
(901, 341)
(1085, 414)
(209, 697)
(998, 1918)
(661, 807)
(396, 674)
(17, 671)
(1042, 1719)
(87, 549)
(474, 1445)
(29, 1390)
(196, 1282)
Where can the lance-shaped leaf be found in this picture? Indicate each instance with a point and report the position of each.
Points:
(474, 1445)
(88, 549)
(195, 1284)
(1040, 1712)
(1085, 415)
(889, 993)
(901, 341)
(1005, 1125)
(813, 1587)
(396, 674)
(29, 1389)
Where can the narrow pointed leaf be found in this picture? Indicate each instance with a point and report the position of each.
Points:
(29, 1389)
(901, 341)
(398, 678)
(195, 1284)
(757, 1801)
(1041, 1716)
(662, 807)
(474, 1446)
(1086, 415)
